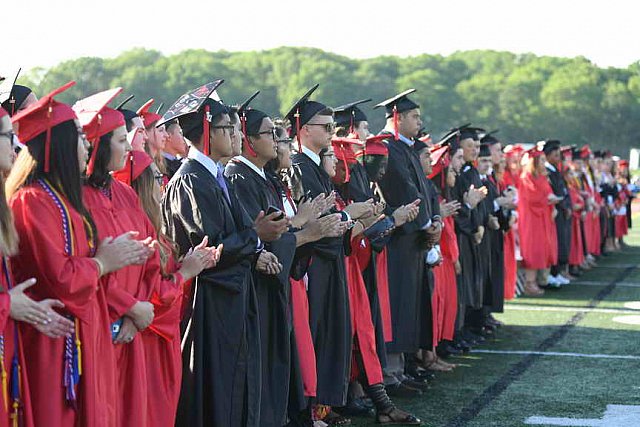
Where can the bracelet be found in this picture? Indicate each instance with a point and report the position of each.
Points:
(100, 266)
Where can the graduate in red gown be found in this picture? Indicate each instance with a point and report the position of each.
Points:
(115, 209)
(72, 380)
(162, 338)
(535, 213)
(576, 250)
(445, 298)
(506, 180)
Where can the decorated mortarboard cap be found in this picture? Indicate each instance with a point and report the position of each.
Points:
(97, 119)
(398, 104)
(251, 120)
(348, 115)
(303, 111)
(533, 152)
(148, 117)
(196, 108)
(133, 168)
(12, 95)
(41, 117)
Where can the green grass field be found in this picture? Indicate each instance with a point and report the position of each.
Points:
(504, 389)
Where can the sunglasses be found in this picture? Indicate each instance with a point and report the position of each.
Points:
(328, 127)
(159, 178)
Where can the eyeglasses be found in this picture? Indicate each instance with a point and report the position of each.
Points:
(329, 155)
(229, 128)
(284, 140)
(9, 134)
(159, 178)
(328, 127)
(271, 132)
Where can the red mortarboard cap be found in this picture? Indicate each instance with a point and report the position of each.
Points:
(137, 163)
(97, 119)
(623, 163)
(376, 146)
(567, 151)
(344, 152)
(148, 117)
(585, 152)
(41, 117)
(534, 152)
(427, 139)
(439, 159)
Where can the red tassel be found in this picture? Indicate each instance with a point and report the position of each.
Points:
(245, 137)
(92, 160)
(395, 122)
(298, 130)
(205, 131)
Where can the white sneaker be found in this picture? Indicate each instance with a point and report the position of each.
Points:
(553, 282)
(563, 280)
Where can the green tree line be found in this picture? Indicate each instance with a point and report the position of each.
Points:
(527, 97)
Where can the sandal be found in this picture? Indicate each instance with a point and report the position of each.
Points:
(434, 363)
(333, 419)
(395, 416)
(531, 289)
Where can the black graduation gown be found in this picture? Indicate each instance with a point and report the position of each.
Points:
(329, 316)
(172, 166)
(563, 218)
(221, 347)
(256, 194)
(471, 281)
(404, 182)
(494, 296)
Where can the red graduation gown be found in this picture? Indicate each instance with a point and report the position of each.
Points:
(120, 214)
(73, 280)
(304, 341)
(576, 250)
(12, 347)
(509, 248)
(538, 243)
(162, 347)
(445, 295)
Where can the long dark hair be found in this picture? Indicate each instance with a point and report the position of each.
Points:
(64, 172)
(100, 178)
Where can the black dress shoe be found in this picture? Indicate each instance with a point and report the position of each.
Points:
(402, 391)
(493, 321)
(355, 408)
(472, 338)
(418, 385)
(420, 373)
(447, 350)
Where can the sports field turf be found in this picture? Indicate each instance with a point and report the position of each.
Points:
(578, 350)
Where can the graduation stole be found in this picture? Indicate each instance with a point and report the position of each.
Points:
(16, 370)
(72, 345)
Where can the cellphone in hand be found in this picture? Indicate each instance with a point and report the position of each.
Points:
(273, 209)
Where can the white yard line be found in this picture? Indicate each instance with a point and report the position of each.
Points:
(521, 307)
(560, 354)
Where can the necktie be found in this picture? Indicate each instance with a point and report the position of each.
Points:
(223, 184)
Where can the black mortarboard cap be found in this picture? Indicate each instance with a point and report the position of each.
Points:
(550, 145)
(13, 95)
(349, 114)
(485, 150)
(128, 114)
(251, 121)
(419, 145)
(302, 111)
(489, 138)
(399, 103)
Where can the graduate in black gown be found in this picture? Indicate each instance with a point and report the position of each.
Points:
(470, 228)
(403, 183)
(221, 345)
(259, 191)
(551, 149)
(312, 125)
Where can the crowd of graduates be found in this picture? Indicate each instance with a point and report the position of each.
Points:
(217, 266)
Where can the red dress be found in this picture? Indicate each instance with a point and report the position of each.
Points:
(114, 215)
(576, 250)
(538, 239)
(445, 296)
(12, 352)
(59, 260)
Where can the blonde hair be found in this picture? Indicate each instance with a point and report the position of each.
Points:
(8, 233)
